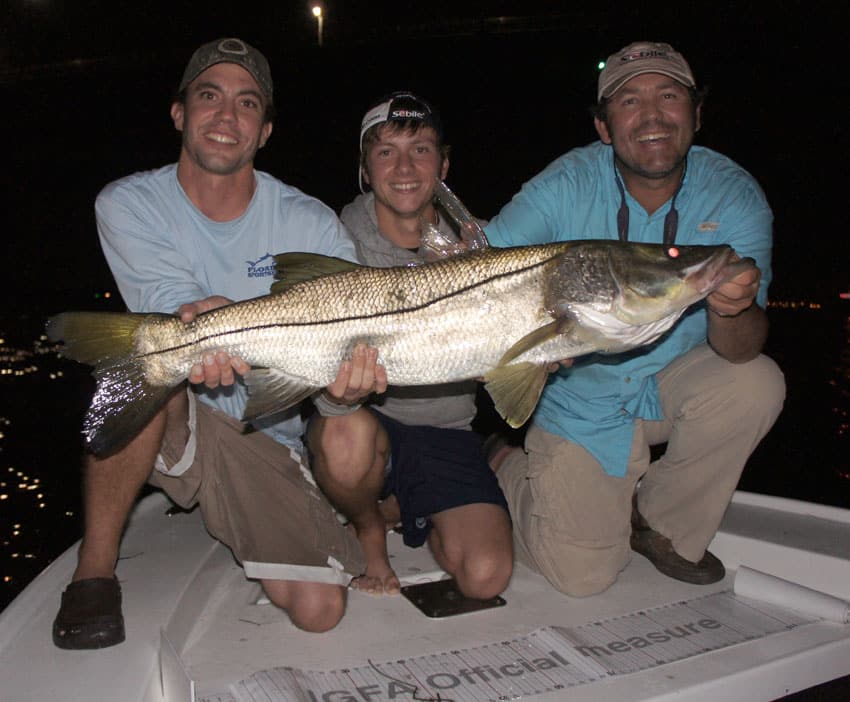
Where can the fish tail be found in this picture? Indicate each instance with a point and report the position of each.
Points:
(124, 401)
(95, 338)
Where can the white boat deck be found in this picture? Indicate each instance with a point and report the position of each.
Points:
(188, 604)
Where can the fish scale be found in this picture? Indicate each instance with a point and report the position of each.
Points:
(410, 323)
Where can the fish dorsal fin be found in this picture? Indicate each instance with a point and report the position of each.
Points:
(515, 390)
(299, 267)
(271, 391)
(536, 338)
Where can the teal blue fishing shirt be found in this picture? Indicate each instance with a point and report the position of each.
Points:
(595, 402)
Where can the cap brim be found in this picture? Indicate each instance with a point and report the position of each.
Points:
(679, 77)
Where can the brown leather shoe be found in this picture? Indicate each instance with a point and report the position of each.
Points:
(90, 615)
(659, 550)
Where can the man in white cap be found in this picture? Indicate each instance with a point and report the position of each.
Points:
(187, 238)
(585, 492)
(411, 448)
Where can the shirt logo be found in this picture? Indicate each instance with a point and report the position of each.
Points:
(263, 267)
(708, 226)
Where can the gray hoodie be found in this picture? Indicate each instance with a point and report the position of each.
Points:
(448, 406)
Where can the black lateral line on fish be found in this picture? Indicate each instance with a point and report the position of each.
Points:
(338, 320)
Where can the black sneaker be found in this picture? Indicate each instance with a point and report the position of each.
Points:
(90, 615)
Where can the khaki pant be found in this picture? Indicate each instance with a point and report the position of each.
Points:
(258, 498)
(572, 520)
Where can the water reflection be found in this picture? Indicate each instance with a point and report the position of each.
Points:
(841, 382)
(40, 410)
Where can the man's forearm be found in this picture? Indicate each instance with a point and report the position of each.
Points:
(739, 338)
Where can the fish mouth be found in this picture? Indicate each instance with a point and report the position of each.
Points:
(718, 269)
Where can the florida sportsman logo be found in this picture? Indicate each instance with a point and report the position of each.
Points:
(261, 268)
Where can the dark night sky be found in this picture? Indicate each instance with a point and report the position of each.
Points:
(85, 87)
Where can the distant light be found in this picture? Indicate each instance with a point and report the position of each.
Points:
(600, 65)
(317, 13)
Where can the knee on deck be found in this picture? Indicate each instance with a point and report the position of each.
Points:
(482, 575)
(313, 607)
(582, 582)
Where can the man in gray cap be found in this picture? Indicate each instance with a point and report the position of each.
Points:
(188, 238)
(585, 492)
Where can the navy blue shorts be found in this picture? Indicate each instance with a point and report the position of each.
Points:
(431, 470)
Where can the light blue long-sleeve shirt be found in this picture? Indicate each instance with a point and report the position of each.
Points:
(163, 252)
(594, 403)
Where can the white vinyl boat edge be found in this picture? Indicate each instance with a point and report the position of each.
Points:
(188, 604)
(162, 558)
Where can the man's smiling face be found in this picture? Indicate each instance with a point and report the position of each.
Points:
(650, 122)
(222, 119)
(401, 166)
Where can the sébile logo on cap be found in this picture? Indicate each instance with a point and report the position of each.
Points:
(639, 58)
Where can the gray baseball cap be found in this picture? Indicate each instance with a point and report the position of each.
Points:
(230, 50)
(643, 57)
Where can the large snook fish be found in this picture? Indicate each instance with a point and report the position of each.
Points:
(499, 314)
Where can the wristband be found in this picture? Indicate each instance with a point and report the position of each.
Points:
(328, 408)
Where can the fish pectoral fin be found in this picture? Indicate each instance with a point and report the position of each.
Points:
(299, 267)
(270, 391)
(535, 338)
(516, 387)
(515, 390)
